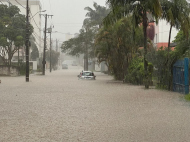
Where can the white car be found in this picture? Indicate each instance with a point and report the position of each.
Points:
(64, 66)
(88, 75)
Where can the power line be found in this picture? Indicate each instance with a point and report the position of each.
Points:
(35, 40)
(9, 2)
(20, 4)
(34, 20)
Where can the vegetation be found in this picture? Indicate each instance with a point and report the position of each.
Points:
(176, 13)
(163, 62)
(12, 32)
(84, 43)
(123, 39)
(187, 97)
(139, 11)
(117, 48)
(54, 58)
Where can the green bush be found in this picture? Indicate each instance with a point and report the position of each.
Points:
(136, 71)
(22, 68)
(187, 97)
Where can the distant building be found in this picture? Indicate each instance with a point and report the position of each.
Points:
(68, 36)
(76, 34)
(162, 34)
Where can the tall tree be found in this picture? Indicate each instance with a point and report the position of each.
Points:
(82, 44)
(12, 32)
(176, 12)
(116, 47)
(95, 17)
(97, 14)
(139, 11)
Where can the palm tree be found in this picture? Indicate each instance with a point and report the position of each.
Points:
(117, 47)
(86, 26)
(139, 11)
(176, 12)
(96, 16)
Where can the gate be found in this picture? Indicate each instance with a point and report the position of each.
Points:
(181, 76)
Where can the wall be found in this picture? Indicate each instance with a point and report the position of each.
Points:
(162, 31)
(4, 71)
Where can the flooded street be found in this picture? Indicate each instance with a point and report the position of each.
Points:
(58, 107)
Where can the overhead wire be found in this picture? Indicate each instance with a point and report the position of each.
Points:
(20, 4)
(34, 20)
(9, 2)
(34, 34)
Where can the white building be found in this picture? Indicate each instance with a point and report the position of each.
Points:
(162, 34)
(68, 36)
(35, 18)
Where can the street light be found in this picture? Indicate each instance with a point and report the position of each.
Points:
(37, 13)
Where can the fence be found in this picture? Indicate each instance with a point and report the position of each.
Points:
(181, 76)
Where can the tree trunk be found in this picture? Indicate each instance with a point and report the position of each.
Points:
(18, 57)
(170, 79)
(86, 51)
(145, 24)
(86, 61)
(169, 37)
(9, 65)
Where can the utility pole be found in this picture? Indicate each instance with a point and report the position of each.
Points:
(56, 45)
(27, 42)
(49, 31)
(44, 54)
(57, 50)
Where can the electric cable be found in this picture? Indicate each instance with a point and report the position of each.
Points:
(20, 4)
(35, 40)
(34, 20)
(9, 2)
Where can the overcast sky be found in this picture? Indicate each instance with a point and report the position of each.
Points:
(68, 15)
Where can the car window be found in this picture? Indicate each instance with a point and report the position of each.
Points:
(87, 74)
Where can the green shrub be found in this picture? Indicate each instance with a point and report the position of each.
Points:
(136, 71)
(187, 97)
(22, 68)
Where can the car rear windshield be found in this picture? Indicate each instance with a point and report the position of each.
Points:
(88, 74)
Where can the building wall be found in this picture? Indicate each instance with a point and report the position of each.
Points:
(68, 36)
(36, 22)
(4, 71)
(162, 33)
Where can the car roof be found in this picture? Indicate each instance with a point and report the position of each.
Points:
(87, 71)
